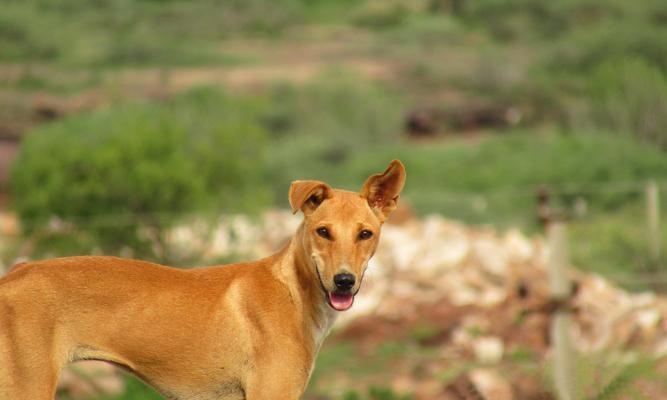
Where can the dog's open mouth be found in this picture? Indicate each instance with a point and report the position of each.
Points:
(340, 301)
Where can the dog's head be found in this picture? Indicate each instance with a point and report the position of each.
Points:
(341, 229)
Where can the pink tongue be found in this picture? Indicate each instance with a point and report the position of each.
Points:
(341, 302)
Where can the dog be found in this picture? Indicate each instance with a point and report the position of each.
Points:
(240, 331)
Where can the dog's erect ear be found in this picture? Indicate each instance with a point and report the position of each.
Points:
(307, 195)
(382, 190)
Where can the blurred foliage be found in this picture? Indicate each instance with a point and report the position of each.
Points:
(508, 169)
(614, 375)
(366, 366)
(564, 44)
(107, 172)
(382, 15)
(603, 63)
(135, 389)
(616, 245)
(320, 127)
(588, 77)
(141, 165)
(145, 165)
(630, 96)
(526, 19)
(143, 32)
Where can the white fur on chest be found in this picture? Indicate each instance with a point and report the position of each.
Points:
(321, 330)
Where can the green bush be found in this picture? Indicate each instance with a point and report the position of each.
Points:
(319, 127)
(141, 165)
(583, 51)
(200, 151)
(19, 37)
(540, 19)
(630, 97)
(522, 19)
(508, 169)
(616, 244)
(144, 32)
(382, 15)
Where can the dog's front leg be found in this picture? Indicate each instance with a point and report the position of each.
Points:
(274, 386)
(277, 376)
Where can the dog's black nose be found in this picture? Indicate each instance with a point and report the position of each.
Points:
(344, 281)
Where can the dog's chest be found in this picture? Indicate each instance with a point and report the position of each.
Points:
(322, 327)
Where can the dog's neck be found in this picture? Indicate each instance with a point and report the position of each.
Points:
(297, 271)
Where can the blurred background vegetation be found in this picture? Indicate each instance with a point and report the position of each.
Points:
(123, 117)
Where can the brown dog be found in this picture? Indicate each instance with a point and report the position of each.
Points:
(242, 331)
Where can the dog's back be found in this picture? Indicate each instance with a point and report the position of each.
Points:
(57, 311)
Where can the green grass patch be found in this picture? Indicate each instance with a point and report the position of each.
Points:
(367, 369)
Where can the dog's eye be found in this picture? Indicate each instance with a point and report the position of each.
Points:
(365, 234)
(324, 232)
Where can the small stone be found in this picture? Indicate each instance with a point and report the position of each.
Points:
(491, 385)
(488, 349)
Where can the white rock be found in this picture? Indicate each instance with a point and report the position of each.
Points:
(660, 348)
(492, 296)
(220, 245)
(643, 299)
(491, 385)
(518, 247)
(444, 252)
(648, 319)
(400, 246)
(491, 256)
(488, 349)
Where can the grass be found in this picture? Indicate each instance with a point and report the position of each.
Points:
(537, 56)
(145, 32)
(366, 368)
(134, 389)
(617, 375)
(446, 176)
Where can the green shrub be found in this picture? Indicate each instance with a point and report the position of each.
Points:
(145, 32)
(522, 19)
(507, 170)
(540, 19)
(382, 393)
(202, 150)
(140, 165)
(19, 37)
(583, 51)
(382, 15)
(110, 32)
(573, 42)
(616, 244)
(319, 127)
(630, 97)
